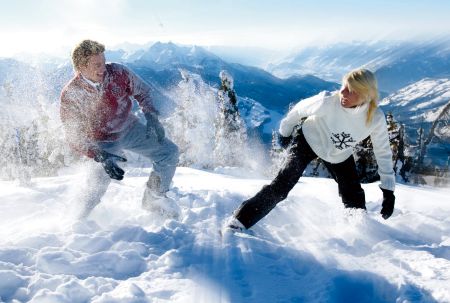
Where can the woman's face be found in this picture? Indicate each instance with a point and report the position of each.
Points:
(349, 98)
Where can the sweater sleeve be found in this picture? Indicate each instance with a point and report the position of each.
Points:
(382, 151)
(141, 91)
(303, 109)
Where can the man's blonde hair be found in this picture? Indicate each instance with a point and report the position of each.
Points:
(82, 52)
(364, 83)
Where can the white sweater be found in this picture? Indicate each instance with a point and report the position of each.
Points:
(332, 131)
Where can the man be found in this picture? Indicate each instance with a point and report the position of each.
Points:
(96, 113)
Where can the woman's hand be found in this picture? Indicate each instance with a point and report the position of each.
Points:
(388, 203)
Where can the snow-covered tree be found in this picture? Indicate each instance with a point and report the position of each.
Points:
(397, 138)
(207, 135)
(191, 126)
(230, 129)
(31, 143)
(394, 133)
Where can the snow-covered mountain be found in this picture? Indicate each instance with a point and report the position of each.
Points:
(308, 249)
(253, 56)
(396, 64)
(329, 62)
(418, 105)
(161, 63)
(162, 56)
(419, 102)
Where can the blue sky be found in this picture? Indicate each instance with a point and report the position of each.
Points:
(53, 26)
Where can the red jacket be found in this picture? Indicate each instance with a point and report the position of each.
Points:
(90, 115)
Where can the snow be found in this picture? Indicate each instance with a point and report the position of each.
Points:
(308, 249)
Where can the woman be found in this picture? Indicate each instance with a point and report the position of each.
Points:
(334, 124)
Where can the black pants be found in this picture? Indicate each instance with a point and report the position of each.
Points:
(256, 208)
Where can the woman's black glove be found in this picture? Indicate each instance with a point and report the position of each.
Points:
(108, 162)
(154, 127)
(284, 142)
(388, 203)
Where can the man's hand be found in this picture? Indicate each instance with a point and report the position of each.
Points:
(388, 203)
(108, 162)
(154, 127)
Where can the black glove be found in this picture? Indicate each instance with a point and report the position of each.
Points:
(284, 142)
(154, 127)
(108, 162)
(388, 203)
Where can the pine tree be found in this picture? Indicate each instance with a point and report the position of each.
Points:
(402, 156)
(394, 135)
(397, 142)
(421, 148)
(231, 134)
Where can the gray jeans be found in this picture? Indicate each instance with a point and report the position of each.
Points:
(164, 156)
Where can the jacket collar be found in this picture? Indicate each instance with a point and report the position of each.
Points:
(95, 85)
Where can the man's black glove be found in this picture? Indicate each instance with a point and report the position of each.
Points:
(284, 142)
(388, 203)
(108, 162)
(154, 127)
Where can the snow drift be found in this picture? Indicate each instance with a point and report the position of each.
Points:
(309, 249)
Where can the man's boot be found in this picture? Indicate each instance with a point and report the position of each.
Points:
(157, 201)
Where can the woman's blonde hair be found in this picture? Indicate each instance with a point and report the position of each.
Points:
(82, 52)
(364, 83)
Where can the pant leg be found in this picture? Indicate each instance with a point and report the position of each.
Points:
(164, 154)
(256, 208)
(349, 185)
(330, 170)
(95, 185)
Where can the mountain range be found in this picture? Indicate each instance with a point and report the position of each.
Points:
(395, 63)
(161, 63)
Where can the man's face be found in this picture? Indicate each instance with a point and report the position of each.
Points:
(95, 69)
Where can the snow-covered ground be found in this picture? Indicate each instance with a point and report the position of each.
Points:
(309, 249)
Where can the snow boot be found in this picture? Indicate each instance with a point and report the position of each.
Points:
(234, 224)
(160, 203)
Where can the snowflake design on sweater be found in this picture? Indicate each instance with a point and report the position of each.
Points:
(341, 140)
